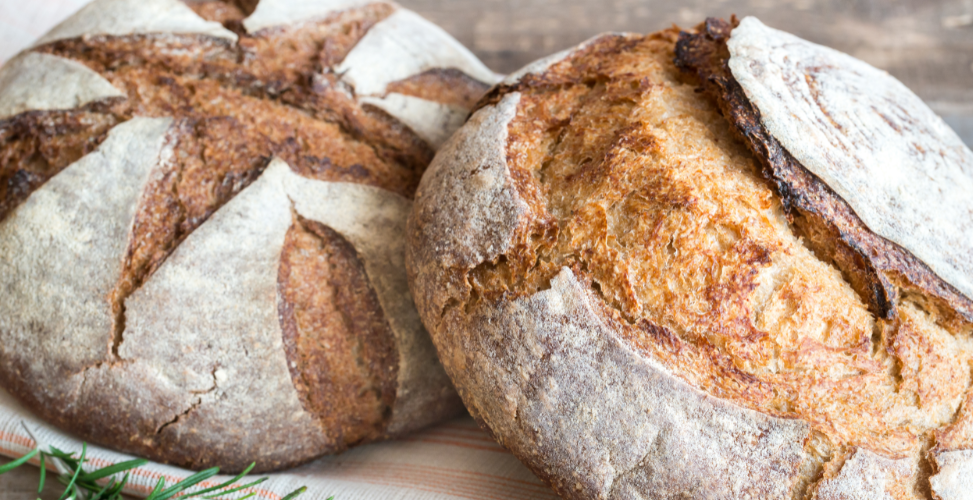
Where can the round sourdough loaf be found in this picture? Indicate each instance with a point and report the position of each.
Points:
(202, 216)
(725, 263)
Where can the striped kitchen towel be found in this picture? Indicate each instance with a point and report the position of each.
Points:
(454, 460)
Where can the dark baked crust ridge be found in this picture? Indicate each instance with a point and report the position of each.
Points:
(442, 85)
(874, 266)
(34, 146)
(327, 306)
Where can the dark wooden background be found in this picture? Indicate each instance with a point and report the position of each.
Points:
(928, 44)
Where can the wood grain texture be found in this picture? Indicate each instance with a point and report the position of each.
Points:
(21, 484)
(928, 44)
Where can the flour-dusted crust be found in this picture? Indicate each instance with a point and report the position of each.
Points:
(840, 186)
(277, 13)
(553, 382)
(79, 220)
(219, 289)
(128, 17)
(374, 222)
(434, 122)
(954, 479)
(402, 45)
(903, 171)
(643, 297)
(225, 283)
(866, 476)
(600, 421)
(470, 167)
(215, 298)
(42, 82)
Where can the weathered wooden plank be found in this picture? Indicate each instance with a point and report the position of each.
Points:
(21, 484)
(928, 44)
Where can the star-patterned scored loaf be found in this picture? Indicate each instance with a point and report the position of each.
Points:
(721, 264)
(202, 213)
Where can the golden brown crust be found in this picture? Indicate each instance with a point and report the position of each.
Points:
(225, 13)
(876, 267)
(443, 85)
(635, 183)
(340, 350)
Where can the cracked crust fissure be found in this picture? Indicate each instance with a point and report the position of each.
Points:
(876, 267)
(636, 183)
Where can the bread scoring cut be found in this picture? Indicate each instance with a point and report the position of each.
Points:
(41, 82)
(869, 138)
(203, 337)
(652, 195)
(404, 45)
(60, 229)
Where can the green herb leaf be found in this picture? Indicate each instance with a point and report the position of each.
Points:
(234, 490)
(82, 485)
(77, 471)
(158, 488)
(17, 463)
(43, 474)
(188, 483)
(114, 469)
(294, 494)
(224, 485)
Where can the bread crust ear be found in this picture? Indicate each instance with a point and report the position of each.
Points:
(873, 255)
(635, 279)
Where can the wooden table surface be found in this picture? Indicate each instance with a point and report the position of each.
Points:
(928, 44)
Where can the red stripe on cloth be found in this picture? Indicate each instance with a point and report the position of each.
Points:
(17, 439)
(99, 462)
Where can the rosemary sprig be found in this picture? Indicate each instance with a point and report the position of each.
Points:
(83, 485)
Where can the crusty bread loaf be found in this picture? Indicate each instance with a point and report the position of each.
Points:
(202, 214)
(745, 276)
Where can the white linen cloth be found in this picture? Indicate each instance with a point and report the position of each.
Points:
(453, 460)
